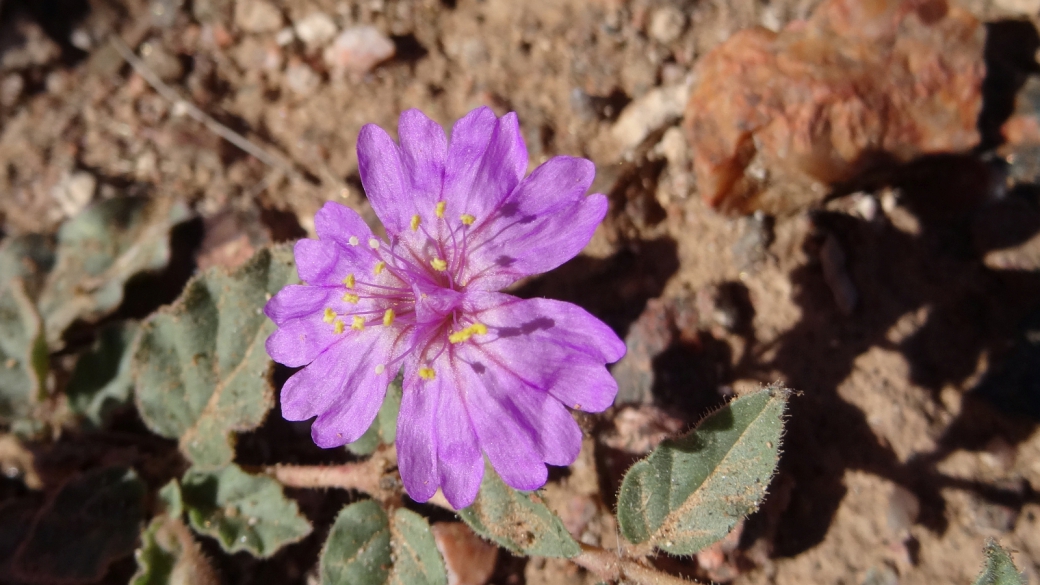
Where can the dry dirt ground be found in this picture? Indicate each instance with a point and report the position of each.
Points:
(899, 314)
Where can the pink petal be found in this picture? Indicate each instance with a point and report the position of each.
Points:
(416, 438)
(481, 172)
(383, 176)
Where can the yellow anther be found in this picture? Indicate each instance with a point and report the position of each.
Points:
(439, 209)
(349, 281)
(358, 323)
(379, 267)
(329, 315)
(337, 327)
(388, 317)
(353, 240)
(415, 222)
(380, 369)
(427, 373)
(468, 219)
(373, 243)
(439, 265)
(351, 298)
(464, 334)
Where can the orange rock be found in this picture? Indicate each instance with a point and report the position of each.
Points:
(468, 559)
(776, 117)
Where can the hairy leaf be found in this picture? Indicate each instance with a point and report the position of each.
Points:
(102, 380)
(384, 428)
(200, 367)
(691, 491)
(999, 568)
(98, 251)
(358, 549)
(242, 511)
(518, 521)
(92, 521)
(416, 558)
(365, 547)
(28, 257)
(170, 556)
(23, 353)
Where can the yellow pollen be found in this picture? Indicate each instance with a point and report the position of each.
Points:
(329, 315)
(427, 373)
(415, 222)
(358, 323)
(388, 317)
(373, 243)
(351, 298)
(468, 219)
(337, 327)
(379, 267)
(439, 209)
(353, 240)
(464, 334)
(349, 281)
(439, 265)
(380, 368)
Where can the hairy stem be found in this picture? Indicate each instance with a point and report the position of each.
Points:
(364, 476)
(608, 566)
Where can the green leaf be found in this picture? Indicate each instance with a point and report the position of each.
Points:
(98, 251)
(102, 381)
(518, 521)
(92, 521)
(28, 257)
(358, 549)
(23, 353)
(999, 568)
(170, 556)
(692, 490)
(416, 558)
(172, 499)
(365, 547)
(384, 428)
(200, 367)
(242, 511)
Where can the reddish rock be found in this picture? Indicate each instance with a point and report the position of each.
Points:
(468, 559)
(777, 116)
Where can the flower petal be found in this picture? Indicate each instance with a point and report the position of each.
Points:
(416, 438)
(383, 176)
(337, 223)
(459, 456)
(504, 437)
(295, 301)
(424, 150)
(341, 387)
(481, 172)
(556, 346)
(327, 263)
(544, 222)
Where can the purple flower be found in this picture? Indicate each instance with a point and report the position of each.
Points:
(485, 373)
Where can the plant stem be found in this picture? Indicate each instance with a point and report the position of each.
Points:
(363, 476)
(610, 567)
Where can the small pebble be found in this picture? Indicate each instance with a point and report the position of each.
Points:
(11, 89)
(316, 29)
(667, 24)
(358, 49)
(257, 16)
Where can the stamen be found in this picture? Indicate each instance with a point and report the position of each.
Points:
(358, 323)
(415, 222)
(349, 281)
(464, 334)
(379, 267)
(439, 209)
(373, 243)
(329, 315)
(351, 298)
(468, 219)
(353, 241)
(380, 369)
(388, 317)
(337, 327)
(439, 265)
(427, 373)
